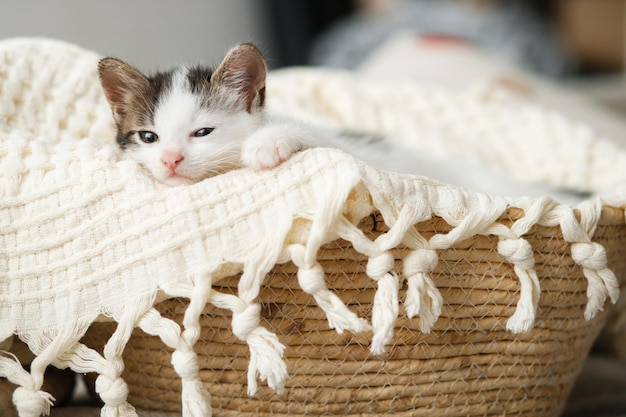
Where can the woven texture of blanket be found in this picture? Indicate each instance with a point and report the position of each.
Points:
(87, 235)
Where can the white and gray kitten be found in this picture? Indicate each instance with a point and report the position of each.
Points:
(191, 123)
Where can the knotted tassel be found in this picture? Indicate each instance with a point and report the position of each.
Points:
(386, 306)
(195, 398)
(266, 360)
(601, 280)
(266, 352)
(519, 253)
(311, 279)
(30, 403)
(339, 317)
(28, 399)
(114, 393)
(423, 299)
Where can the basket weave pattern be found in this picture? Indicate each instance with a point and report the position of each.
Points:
(468, 365)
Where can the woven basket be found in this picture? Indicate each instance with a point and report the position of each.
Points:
(468, 365)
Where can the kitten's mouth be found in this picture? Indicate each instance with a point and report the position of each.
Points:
(174, 173)
(175, 178)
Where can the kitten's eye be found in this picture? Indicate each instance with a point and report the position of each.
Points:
(148, 137)
(203, 132)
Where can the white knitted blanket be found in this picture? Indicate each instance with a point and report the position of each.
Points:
(86, 235)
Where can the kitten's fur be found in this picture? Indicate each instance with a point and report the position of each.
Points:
(197, 122)
(202, 122)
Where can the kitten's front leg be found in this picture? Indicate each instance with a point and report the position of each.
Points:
(273, 144)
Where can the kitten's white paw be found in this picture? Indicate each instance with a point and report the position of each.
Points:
(262, 152)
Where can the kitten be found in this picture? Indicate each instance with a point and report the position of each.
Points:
(191, 123)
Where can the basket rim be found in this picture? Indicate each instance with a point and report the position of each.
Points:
(610, 215)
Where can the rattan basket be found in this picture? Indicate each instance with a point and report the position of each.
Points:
(468, 365)
(71, 202)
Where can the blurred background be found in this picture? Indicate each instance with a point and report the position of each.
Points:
(294, 32)
(451, 42)
(557, 37)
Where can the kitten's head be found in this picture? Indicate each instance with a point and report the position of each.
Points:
(187, 124)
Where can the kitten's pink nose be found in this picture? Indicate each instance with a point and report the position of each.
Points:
(171, 159)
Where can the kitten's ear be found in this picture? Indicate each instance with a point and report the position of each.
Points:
(243, 69)
(120, 82)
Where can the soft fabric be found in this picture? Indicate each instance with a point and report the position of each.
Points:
(87, 235)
